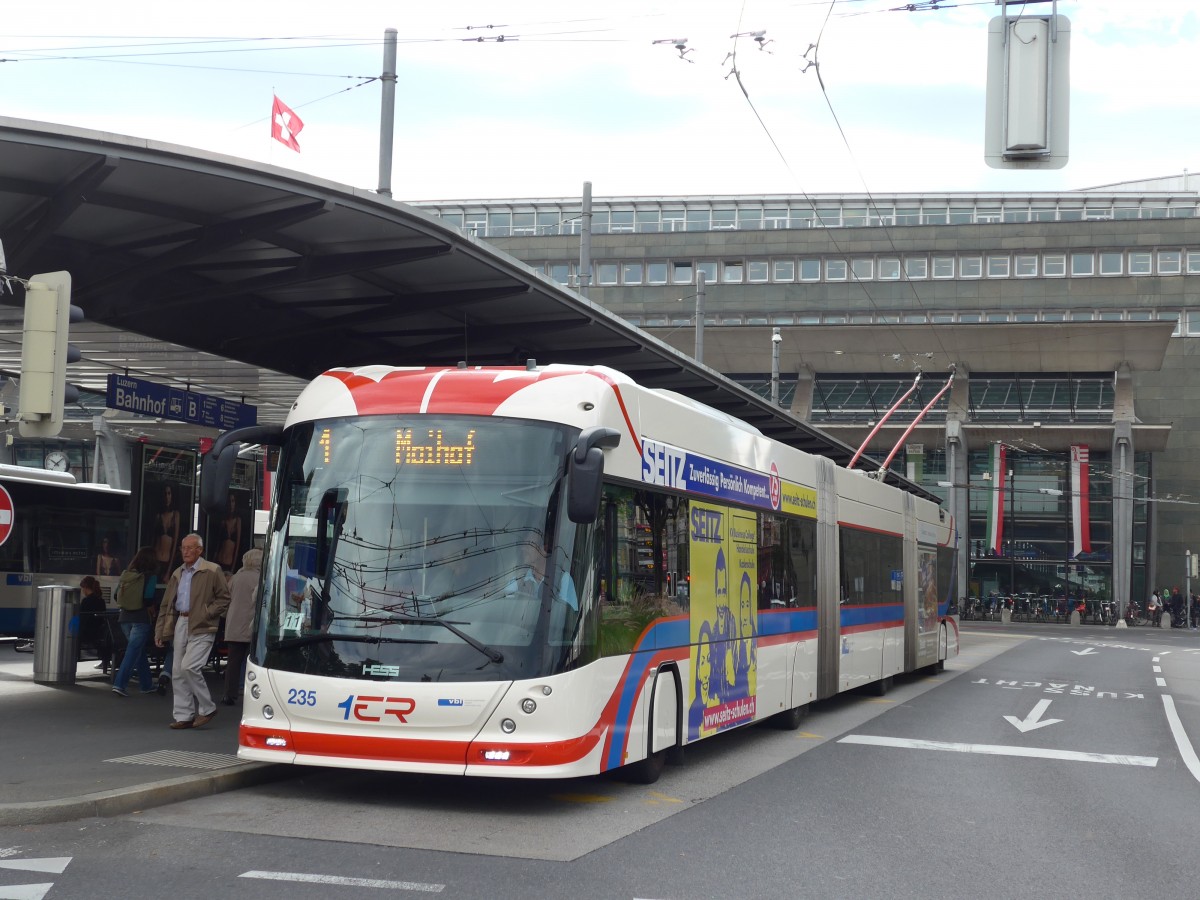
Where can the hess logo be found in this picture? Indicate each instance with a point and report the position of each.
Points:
(374, 709)
(385, 671)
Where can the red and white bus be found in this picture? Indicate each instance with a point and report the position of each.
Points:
(553, 571)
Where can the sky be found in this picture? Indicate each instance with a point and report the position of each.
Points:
(598, 92)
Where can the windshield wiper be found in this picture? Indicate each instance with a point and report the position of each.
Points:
(324, 637)
(490, 652)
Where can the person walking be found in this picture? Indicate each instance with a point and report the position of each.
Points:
(134, 594)
(196, 598)
(243, 598)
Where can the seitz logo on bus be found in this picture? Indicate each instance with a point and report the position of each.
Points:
(706, 525)
(663, 465)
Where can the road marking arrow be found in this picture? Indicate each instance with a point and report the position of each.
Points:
(1031, 721)
(1087, 652)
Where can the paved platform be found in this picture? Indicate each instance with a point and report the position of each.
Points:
(72, 751)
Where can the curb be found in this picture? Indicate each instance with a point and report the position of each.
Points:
(128, 800)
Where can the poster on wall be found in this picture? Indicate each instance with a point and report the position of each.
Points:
(227, 537)
(164, 501)
(723, 545)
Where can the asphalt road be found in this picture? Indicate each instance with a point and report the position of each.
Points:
(1042, 763)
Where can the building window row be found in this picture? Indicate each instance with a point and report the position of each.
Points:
(709, 215)
(1187, 322)
(917, 267)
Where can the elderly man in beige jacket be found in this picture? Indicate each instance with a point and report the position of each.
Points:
(196, 598)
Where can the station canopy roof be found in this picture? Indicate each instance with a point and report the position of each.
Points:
(244, 281)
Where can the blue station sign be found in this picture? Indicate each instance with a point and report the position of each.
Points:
(161, 401)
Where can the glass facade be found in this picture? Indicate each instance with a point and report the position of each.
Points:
(1037, 555)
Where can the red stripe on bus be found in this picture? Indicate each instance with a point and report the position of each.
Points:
(621, 403)
(856, 527)
(420, 750)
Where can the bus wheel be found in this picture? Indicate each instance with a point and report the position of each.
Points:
(646, 771)
(790, 719)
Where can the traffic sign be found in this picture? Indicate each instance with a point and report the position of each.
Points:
(6, 515)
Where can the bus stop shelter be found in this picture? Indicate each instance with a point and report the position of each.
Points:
(243, 280)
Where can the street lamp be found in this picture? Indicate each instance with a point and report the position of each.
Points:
(776, 340)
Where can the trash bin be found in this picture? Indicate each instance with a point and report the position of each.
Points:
(56, 635)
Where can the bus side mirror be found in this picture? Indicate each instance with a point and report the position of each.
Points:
(586, 473)
(216, 470)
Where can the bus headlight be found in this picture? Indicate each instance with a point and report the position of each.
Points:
(255, 691)
(508, 726)
(268, 712)
(528, 705)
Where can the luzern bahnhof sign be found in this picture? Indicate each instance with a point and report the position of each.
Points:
(164, 402)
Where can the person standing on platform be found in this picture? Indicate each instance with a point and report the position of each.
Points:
(196, 598)
(134, 594)
(243, 598)
(93, 629)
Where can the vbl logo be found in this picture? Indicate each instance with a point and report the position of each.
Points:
(373, 709)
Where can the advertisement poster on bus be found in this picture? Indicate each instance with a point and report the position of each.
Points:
(164, 482)
(723, 544)
(229, 536)
(927, 588)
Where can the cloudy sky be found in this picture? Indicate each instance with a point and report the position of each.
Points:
(582, 92)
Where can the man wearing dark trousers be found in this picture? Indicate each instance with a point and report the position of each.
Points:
(196, 598)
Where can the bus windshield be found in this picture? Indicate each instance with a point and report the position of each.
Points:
(422, 548)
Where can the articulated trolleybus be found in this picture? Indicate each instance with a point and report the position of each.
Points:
(552, 572)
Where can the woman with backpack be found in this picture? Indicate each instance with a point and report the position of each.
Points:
(134, 594)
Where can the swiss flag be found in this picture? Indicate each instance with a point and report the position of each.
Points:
(285, 124)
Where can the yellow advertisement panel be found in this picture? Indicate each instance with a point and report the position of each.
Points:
(723, 544)
(797, 500)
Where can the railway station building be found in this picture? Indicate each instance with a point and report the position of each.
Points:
(1052, 334)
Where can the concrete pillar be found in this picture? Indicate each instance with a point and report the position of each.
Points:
(1122, 468)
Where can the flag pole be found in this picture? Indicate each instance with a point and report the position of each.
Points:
(387, 113)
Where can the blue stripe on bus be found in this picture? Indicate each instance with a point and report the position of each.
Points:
(18, 621)
(676, 632)
(871, 615)
(786, 621)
